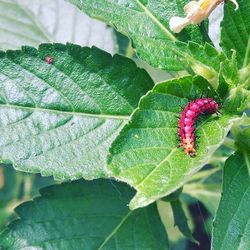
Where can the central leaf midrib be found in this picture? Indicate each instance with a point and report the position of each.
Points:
(166, 159)
(115, 230)
(61, 112)
(168, 34)
(156, 21)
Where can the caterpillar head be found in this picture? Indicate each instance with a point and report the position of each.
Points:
(188, 145)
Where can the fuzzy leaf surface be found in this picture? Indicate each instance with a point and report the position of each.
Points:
(232, 222)
(85, 215)
(146, 23)
(60, 119)
(146, 155)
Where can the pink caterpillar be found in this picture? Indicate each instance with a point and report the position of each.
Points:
(188, 118)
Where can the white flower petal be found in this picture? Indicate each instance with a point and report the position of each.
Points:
(177, 24)
(236, 4)
(196, 12)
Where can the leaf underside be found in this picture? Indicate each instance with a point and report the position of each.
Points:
(32, 22)
(60, 119)
(146, 155)
(85, 215)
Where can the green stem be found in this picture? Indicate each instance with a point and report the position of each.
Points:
(157, 22)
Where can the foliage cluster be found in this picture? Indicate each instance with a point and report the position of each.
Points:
(96, 116)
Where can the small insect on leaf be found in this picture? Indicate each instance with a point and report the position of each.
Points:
(188, 119)
(49, 59)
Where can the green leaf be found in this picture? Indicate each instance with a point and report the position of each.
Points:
(232, 223)
(165, 10)
(145, 154)
(143, 23)
(236, 31)
(237, 100)
(31, 22)
(180, 220)
(85, 215)
(229, 76)
(233, 84)
(208, 62)
(60, 119)
(146, 23)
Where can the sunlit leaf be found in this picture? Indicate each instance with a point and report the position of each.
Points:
(146, 155)
(60, 119)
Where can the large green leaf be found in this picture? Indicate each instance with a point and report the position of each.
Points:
(32, 22)
(60, 119)
(85, 215)
(236, 31)
(146, 23)
(138, 20)
(145, 154)
(232, 223)
(166, 9)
